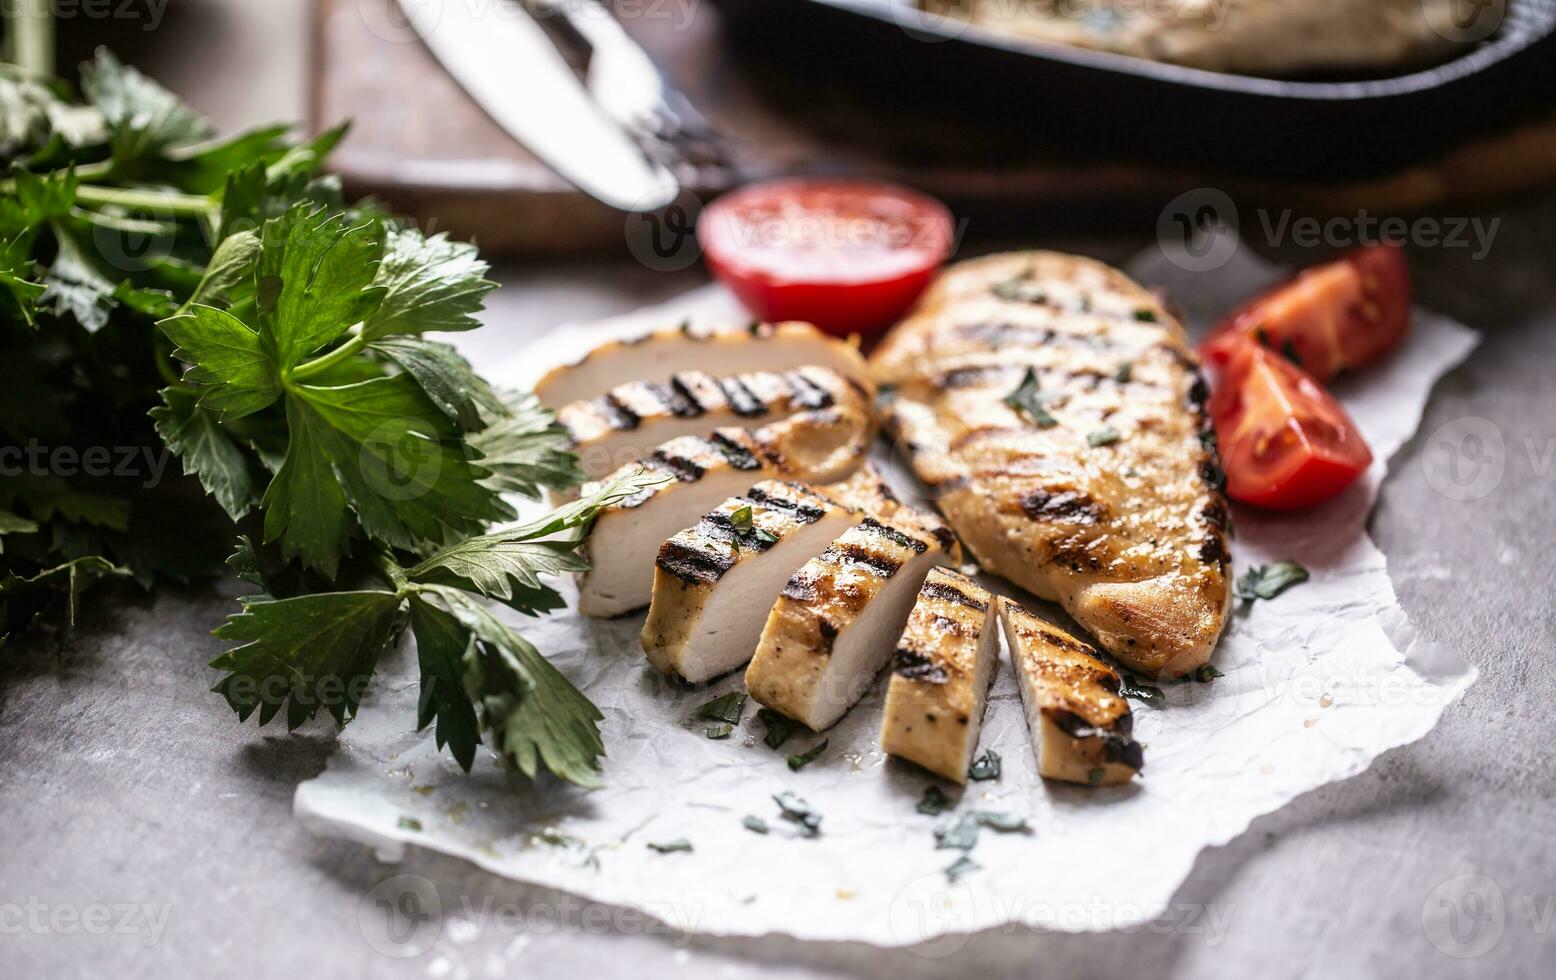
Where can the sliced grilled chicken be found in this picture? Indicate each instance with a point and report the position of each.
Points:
(837, 621)
(1057, 412)
(941, 672)
(714, 583)
(759, 347)
(631, 420)
(811, 447)
(1081, 725)
(867, 490)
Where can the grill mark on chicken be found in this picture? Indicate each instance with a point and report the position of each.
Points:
(1061, 506)
(798, 510)
(827, 630)
(884, 565)
(683, 469)
(915, 666)
(896, 537)
(619, 413)
(683, 400)
(806, 393)
(801, 588)
(951, 593)
(740, 457)
(742, 401)
(693, 565)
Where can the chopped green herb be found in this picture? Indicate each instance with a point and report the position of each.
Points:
(963, 865)
(986, 766)
(933, 802)
(1094, 776)
(1207, 673)
(1269, 581)
(1027, 399)
(765, 536)
(670, 846)
(1130, 688)
(1146, 316)
(725, 707)
(754, 824)
(797, 810)
(410, 823)
(741, 519)
(1125, 373)
(719, 730)
(686, 327)
(803, 759)
(779, 727)
(1105, 436)
(959, 834)
(1003, 823)
(1015, 289)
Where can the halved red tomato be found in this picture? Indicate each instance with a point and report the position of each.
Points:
(1285, 442)
(848, 256)
(1337, 317)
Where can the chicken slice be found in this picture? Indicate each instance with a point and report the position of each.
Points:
(629, 421)
(836, 623)
(759, 347)
(1081, 725)
(941, 673)
(811, 447)
(714, 583)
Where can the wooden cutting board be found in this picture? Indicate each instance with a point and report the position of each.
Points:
(422, 145)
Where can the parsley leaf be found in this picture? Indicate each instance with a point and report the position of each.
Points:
(525, 449)
(934, 801)
(963, 865)
(725, 708)
(207, 451)
(670, 846)
(443, 647)
(1269, 581)
(445, 378)
(754, 824)
(307, 652)
(144, 118)
(1128, 687)
(802, 759)
(430, 284)
(797, 810)
(779, 727)
(233, 371)
(986, 766)
(1105, 436)
(1028, 400)
(314, 280)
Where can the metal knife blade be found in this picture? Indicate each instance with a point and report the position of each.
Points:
(508, 64)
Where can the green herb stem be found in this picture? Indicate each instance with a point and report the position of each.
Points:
(324, 362)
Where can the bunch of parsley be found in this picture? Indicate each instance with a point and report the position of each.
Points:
(165, 291)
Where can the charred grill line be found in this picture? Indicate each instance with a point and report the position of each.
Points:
(683, 469)
(683, 400)
(739, 456)
(621, 416)
(883, 565)
(950, 593)
(741, 399)
(915, 666)
(802, 512)
(806, 393)
(692, 566)
(872, 526)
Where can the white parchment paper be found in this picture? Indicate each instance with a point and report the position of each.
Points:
(1317, 685)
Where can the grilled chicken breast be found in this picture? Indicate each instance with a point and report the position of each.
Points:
(1081, 725)
(941, 673)
(629, 421)
(811, 447)
(759, 347)
(714, 583)
(1254, 37)
(1056, 412)
(837, 621)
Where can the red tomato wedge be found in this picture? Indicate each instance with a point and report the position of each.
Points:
(848, 256)
(1285, 442)
(1337, 317)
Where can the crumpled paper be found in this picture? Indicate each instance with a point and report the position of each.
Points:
(1317, 684)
